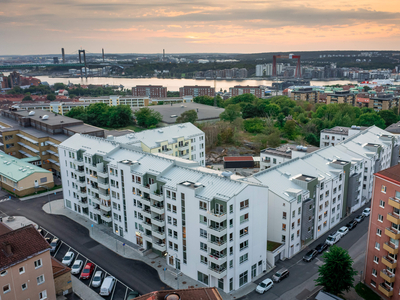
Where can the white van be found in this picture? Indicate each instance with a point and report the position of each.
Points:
(333, 238)
(107, 286)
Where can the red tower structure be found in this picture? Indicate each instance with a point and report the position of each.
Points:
(290, 56)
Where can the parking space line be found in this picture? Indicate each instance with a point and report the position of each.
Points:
(94, 272)
(126, 292)
(59, 247)
(83, 266)
(115, 286)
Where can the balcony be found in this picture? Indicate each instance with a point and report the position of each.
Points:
(83, 204)
(394, 202)
(388, 276)
(145, 199)
(96, 201)
(105, 207)
(393, 233)
(103, 185)
(80, 171)
(105, 197)
(159, 246)
(157, 209)
(217, 245)
(79, 162)
(218, 218)
(147, 225)
(393, 218)
(218, 231)
(160, 222)
(386, 290)
(389, 247)
(81, 194)
(157, 197)
(159, 234)
(184, 147)
(217, 272)
(146, 212)
(389, 262)
(102, 174)
(217, 259)
(105, 218)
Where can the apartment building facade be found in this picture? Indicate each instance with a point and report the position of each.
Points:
(240, 90)
(333, 136)
(25, 265)
(115, 100)
(341, 97)
(206, 223)
(196, 90)
(305, 94)
(383, 102)
(384, 234)
(151, 91)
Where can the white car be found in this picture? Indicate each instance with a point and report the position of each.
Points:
(97, 279)
(366, 212)
(264, 286)
(343, 230)
(77, 266)
(68, 258)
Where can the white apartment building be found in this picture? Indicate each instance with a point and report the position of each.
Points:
(333, 136)
(181, 140)
(114, 100)
(266, 69)
(208, 224)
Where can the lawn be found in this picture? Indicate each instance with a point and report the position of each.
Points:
(365, 292)
(271, 246)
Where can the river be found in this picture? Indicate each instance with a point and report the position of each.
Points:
(174, 84)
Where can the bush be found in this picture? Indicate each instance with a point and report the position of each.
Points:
(255, 125)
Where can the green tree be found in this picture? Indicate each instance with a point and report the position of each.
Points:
(254, 125)
(366, 88)
(231, 113)
(336, 275)
(187, 116)
(388, 116)
(147, 117)
(51, 97)
(27, 98)
(290, 129)
(370, 119)
(273, 140)
(172, 94)
(59, 86)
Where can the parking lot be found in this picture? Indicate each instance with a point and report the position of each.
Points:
(120, 290)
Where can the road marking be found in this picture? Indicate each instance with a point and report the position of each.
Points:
(4, 200)
(126, 292)
(115, 286)
(59, 247)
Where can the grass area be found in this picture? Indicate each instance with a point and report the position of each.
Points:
(365, 292)
(271, 246)
(131, 127)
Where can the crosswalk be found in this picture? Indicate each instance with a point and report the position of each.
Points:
(4, 200)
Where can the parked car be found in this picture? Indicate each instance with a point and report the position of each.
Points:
(280, 275)
(310, 255)
(41, 231)
(264, 286)
(366, 212)
(97, 279)
(359, 218)
(133, 295)
(333, 238)
(87, 271)
(343, 230)
(68, 258)
(77, 266)
(351, 224)
(48, 240)
(107, 286)
(321, 247)
(55, 243)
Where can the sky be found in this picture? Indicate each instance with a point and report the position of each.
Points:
(197, 26)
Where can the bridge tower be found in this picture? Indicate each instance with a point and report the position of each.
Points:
(84, 61)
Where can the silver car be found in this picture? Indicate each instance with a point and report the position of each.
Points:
(97, 279)
(77, 266)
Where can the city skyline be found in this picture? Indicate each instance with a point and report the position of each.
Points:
(199, 26)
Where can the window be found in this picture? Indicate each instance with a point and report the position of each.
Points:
(244, 218)
(243, 278)
(4, 273)
(21, 270)
(374, 273)
(173, 196)
(6, 289)
(203, 246)
(231, 223)
(376, 259)
(244, 231)
(244, 245)
(203, 205)
(203, 219)
(284, 215)
(170, 232)
(169, 220)
(383, 189)
(24, 286)
(231, 208)
(203, 233)
(43, 295)
(283, 238)
(380, 218)
(298, 198)
(378, 232)
(231, 264)
(174, 222)
(244, 204)
(203, 259)
(299, 211)
(322, 185)
(40, 279)
(174, 209)
(168, 207)
(231, 251)
(244, 258)
(202, 277)
(377, 246)
(283, 226)
(38, 263)
(168, 194)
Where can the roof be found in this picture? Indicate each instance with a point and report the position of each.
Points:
(4, 228)
(152, 138)
(326, 296)
(209, 293)
(58, 268)
(337, 130)
(19, 245)
(16, 169)
(54, 119)
(204, 112)
(391, 174)
(238, 158)
(394, 128)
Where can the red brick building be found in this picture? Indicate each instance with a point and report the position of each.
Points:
(240, 90)
(196, 90)
(384, 235)
(152, 91)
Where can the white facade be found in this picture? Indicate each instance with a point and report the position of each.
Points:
(209, 225)
(266, 69)
(335, 135)
(114, 100)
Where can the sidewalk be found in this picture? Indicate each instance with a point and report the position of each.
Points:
(41, 194)
(107, 238)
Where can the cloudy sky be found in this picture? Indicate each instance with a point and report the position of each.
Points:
(179, 26)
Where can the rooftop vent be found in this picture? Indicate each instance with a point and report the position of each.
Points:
(31, 113)
(308, 179)
(45, 117)
(110, 137)
(186, 183)
(172, 296)
(227, 174)
(160, 130)
(197, 184)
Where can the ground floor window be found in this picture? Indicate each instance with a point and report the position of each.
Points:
(231, 284)
(68, 203)
(202, 278)
(243, 278)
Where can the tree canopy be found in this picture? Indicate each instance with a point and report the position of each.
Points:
(147, 117)
(187, 116)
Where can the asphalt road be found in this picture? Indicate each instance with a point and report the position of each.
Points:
(300, 271)
(135, 274)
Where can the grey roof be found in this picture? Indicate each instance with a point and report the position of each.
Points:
(284, 150)
(53, 119)
(394, 128)
(205, 112)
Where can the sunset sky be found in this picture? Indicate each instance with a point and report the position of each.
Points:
(182, 26)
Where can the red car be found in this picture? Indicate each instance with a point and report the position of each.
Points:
(87, 271)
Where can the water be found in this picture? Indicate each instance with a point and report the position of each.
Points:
(174, 84)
